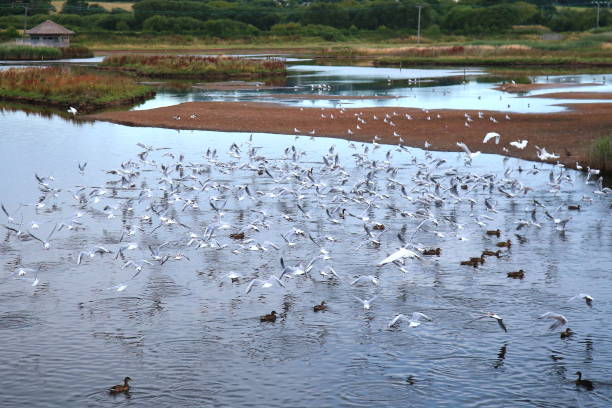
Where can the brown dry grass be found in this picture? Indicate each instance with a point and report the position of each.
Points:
(445, 50)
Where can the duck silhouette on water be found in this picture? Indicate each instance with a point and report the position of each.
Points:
(268, 317)
(586, 384)
(120, 388)
(320, 307)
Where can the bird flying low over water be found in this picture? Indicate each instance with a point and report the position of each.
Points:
(519, 144)
(414, 320)
(500, 321)
(491, 135)
(544, 155)
(467, 150)
(397, 255)
(367, 303)
(560, 320)
(264, 283)
(587, 298)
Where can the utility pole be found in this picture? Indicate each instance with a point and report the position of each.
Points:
(598, 4)
(25, 6)
(419, 25)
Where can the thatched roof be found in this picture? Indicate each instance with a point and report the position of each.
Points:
(49, 28)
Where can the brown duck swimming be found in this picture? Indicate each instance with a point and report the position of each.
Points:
(378, 227)
(520, 274)
(433, 251)
(320, 307)
(470, 263)
(268, 318)
(504, 244)
(496, 232)
(237, 235)
(491, 253)
(479, 259)
(584, 383)
(117, 389)
(567, 333)
(573, 207)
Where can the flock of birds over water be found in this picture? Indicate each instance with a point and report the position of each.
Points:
(165, 208)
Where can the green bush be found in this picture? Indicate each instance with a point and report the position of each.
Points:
(228, 29)
(9, 33)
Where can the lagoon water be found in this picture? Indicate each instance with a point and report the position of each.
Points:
(188, 336)
(468, 89)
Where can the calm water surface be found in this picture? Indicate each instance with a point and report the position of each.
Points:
(417, 88)
(188, 336)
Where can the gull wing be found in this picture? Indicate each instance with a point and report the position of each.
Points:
(400, 253)
(395, 320)
(490, 136)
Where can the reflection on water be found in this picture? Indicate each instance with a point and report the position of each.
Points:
(189, 336)
(417, 88)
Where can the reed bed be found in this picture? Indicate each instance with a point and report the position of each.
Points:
(29, 53)
(601, 154)
(25, 52)
(59, 86)
(186, 66)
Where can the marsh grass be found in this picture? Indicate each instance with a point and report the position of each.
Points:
(60, 86)
(27, 53)
(498, 60)
(601, 154)
(186, 66)
(24, 52)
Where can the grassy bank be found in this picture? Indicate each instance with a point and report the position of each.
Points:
(499, 61)
(65, 87)
(27, 53)
(585, 50)
(182, 66)
(601, 154)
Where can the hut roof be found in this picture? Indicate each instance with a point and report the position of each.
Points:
(49, 28)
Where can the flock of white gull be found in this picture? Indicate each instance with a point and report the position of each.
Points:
(153, 194)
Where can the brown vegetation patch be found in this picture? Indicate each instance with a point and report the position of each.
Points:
(522, 88)
(574, 95)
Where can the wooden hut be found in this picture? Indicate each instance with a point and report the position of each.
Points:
(49, 34)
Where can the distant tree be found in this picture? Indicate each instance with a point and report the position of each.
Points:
(228, 29)
(147, 8)
(8, 7)
(328, 14)
(81, 7)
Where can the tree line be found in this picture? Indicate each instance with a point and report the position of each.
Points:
(330, 19)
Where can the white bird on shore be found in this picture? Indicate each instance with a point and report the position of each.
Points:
(72, 110)
(414, 320)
